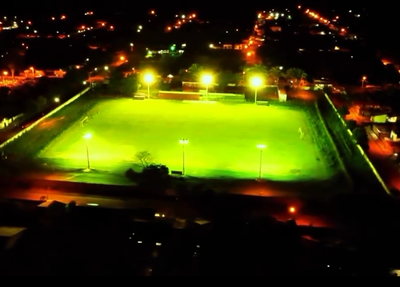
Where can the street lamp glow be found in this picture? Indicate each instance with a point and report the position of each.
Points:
(57, 100)
(183, 141)
(363, 80)
(87, 136)
(106, 68)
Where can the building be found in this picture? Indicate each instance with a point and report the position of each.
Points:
(9, 236)
(229, 46)
(195, 87)
(384, 130)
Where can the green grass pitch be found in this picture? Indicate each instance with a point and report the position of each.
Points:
(222, 139)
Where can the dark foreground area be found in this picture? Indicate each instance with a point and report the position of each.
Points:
(212, 234)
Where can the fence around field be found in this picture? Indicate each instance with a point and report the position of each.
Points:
(325, 143)
(352, 149)
(196, 96)
(10, 140)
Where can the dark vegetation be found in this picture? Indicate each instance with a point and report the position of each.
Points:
(26, 147)
(321, 137)
(297, 46)
(355, 163)
(214, 225)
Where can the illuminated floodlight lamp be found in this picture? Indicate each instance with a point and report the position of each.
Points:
(57, 100)
(261, 146)
(148, 78)
(87, 136)
(256, 82)
(207, 79)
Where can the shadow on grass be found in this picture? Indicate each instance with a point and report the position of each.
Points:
(323, 188)
(318, 189)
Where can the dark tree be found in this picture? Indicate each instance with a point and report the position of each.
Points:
(361, 137)
(351, 124)
(226, 77)
(343, 111)
(76, 76)
(121, 84)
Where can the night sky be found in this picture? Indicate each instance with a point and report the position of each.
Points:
(206, 9)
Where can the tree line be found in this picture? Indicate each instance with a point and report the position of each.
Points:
(271, 76)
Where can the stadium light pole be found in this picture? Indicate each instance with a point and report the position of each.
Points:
(148, 78)
(207, 79)
(256, 83)
(87, 137)
(261, 147)
(183, 142)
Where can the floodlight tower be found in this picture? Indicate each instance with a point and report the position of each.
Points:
(256, 83)
(148, 78)
(183, 142)
(261, 147)
(87, 137)
(207, 79)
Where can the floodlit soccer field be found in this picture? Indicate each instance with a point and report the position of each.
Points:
(222, 140)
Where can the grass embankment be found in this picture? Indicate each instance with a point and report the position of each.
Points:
(22, 151)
